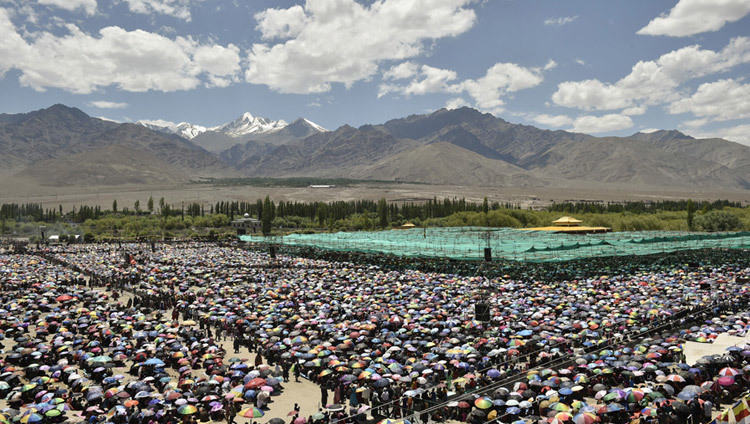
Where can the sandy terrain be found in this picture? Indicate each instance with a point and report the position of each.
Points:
(694, 350)
(14, 190)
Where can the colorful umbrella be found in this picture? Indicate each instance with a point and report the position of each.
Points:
(585, 418)
(187, 409)
(483, 403)
(252, 412)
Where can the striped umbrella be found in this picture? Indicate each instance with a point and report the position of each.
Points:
(187, 409)
(729, 372)
(585, 418)
(251, 412)
(31, 418)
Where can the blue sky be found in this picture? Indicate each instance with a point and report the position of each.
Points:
(600, 67)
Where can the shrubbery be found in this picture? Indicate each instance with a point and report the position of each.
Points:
(719, 221)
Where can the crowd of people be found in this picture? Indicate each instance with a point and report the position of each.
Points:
(391, 344)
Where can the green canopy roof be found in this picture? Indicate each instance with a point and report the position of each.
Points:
(468, 243)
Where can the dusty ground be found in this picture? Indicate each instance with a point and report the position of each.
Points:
(14, 190)
(694, 350)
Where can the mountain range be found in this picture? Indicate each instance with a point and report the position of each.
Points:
(242, 130)
(64, 146)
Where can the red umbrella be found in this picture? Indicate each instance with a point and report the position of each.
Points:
(63, 298)
(172, 395)
(729, 372)
(255, 383)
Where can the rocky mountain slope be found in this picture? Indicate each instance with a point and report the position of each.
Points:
(62, 145)
(506, 153)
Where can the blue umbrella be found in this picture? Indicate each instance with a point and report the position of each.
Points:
(513, 410)
(686, 395)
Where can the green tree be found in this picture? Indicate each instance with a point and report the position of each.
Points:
(383, 212)
(166, 210)
(150, 204)
(161, 205)
(485, 205)
(266, 217)
(114, 205)
(322, 214)
(690, 214)
(259, 207)
(137, 206)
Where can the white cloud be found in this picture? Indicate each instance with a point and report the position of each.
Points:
(695, 123)
(560, 21)
(488, 91)
(635, 110)
(12, 44)
(501, 79)
(591, 94)
(103, 104)
(221, 63)
(455, 103)
(131, 60)
(343, 41)
(282, 23)
(739, 134)
(721, 100)
(434, 80)
(552, 120)
(689, 17)
(598, 124)
(401, 71)
(551, 64)
(89, 6)
(428, 80)
(649, 130)
(652, 82)
(580, 62)
(178, 8)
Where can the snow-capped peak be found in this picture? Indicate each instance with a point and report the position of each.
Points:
(314, 125)
(249, 124)
(183, 129)
(240, 127)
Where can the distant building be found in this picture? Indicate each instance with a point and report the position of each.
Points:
(406, 226)
(570, 225)
(246, 225)
(567, 221)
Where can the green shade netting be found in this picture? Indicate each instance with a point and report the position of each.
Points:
(468, 243)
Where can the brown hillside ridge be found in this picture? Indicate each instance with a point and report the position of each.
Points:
(460, 147)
